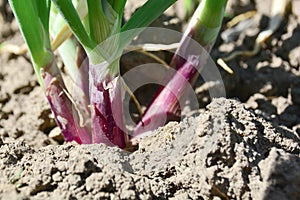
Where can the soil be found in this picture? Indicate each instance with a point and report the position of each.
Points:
(244, 146)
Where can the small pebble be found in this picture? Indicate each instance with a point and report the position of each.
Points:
(56, 135)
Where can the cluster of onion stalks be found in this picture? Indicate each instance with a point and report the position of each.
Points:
(102, 99)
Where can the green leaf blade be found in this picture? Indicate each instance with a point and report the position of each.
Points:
(143, 17)
(69, 13)
(98, 23)
(152, 9)
(43, 8)
(34, 29)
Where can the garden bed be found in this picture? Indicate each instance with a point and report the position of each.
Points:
(245, 146)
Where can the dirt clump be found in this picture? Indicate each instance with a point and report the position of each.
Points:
(226, 151)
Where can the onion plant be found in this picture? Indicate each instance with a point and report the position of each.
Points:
(91, 22)
(190, 6)
(203, 28)
(92, 59)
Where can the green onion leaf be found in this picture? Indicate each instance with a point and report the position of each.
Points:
(212, 12)
(33, 18)
(118, 6)
(43, 8)
(143, 17)
(70, 14)
(101, 19)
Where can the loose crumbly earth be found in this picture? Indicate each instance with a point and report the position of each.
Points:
(230, 149)
(226, 151)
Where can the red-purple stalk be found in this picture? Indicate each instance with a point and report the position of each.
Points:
(63, 108)
(165, 105)
(187, 60)
(107, 109)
